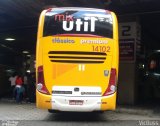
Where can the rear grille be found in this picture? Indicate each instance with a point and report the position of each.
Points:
(76, 57)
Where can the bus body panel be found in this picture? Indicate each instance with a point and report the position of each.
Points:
(61, 73)
(107, 103)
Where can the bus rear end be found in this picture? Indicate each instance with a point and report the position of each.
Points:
(77, 60)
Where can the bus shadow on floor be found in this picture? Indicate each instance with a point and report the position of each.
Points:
(77, 117)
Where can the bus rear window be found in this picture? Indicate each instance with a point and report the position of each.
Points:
(78, 22)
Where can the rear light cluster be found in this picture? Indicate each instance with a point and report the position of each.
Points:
(40, 82)
(112, 83)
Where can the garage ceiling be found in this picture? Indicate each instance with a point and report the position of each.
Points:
(19, 18)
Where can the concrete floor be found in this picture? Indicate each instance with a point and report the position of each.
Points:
(27, 114)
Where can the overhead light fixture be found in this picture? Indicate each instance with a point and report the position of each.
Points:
(10, 39)
(28, 71)
(29, 55)
(25, 52)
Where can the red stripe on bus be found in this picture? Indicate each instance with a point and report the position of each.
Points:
(78, 35)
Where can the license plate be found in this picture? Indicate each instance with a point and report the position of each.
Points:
(75, 102)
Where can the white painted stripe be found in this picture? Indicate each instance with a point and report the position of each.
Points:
(83, 67)
(79, 67)
(81, 89)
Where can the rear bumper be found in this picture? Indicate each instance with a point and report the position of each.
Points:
(61, 103)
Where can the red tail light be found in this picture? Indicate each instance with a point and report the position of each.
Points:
(112, 83)
(41, 84)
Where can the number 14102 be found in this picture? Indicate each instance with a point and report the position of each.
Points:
(101, 48)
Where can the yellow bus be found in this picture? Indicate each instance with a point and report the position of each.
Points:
(77, 60)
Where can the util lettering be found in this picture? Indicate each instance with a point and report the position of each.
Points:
(87, 25)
